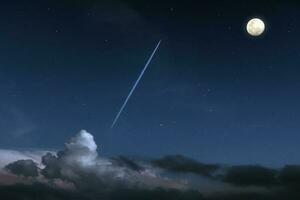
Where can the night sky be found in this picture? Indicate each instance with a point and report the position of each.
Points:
(212, 91)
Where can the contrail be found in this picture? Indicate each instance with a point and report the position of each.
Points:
(135, 84)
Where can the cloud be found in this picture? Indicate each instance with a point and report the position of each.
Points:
(52, 167)
(78, 172)
(7, 178)
(42, 191)
(80, 164)
(38, 191)
(123, 161)
(8, 156)
(290, 176)
(183, 164)
(25, 168)
(251, 175)
(81, 150)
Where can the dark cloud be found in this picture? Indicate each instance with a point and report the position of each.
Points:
(248, 196)
(251, 176)
(52, 168)
(126, 162)
(290, 176)
(38, 191)
(25, 168)
(156, 194)
(179, 163)
(41, 191)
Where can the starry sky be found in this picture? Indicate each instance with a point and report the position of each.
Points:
(212, 92)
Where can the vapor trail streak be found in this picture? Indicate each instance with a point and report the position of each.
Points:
(135, 84)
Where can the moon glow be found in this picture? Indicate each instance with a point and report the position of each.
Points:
(255, 27)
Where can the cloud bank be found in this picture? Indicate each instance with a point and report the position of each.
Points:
(78, 172)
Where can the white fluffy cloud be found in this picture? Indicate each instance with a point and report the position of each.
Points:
(81, 150)
(79, 163)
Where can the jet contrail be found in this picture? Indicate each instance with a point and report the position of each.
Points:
(135, 84)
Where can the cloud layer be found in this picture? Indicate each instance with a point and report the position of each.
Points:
(78, 172)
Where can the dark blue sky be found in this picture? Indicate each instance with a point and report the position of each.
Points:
(212, 92)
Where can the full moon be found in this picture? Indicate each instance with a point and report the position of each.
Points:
(255, 27)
